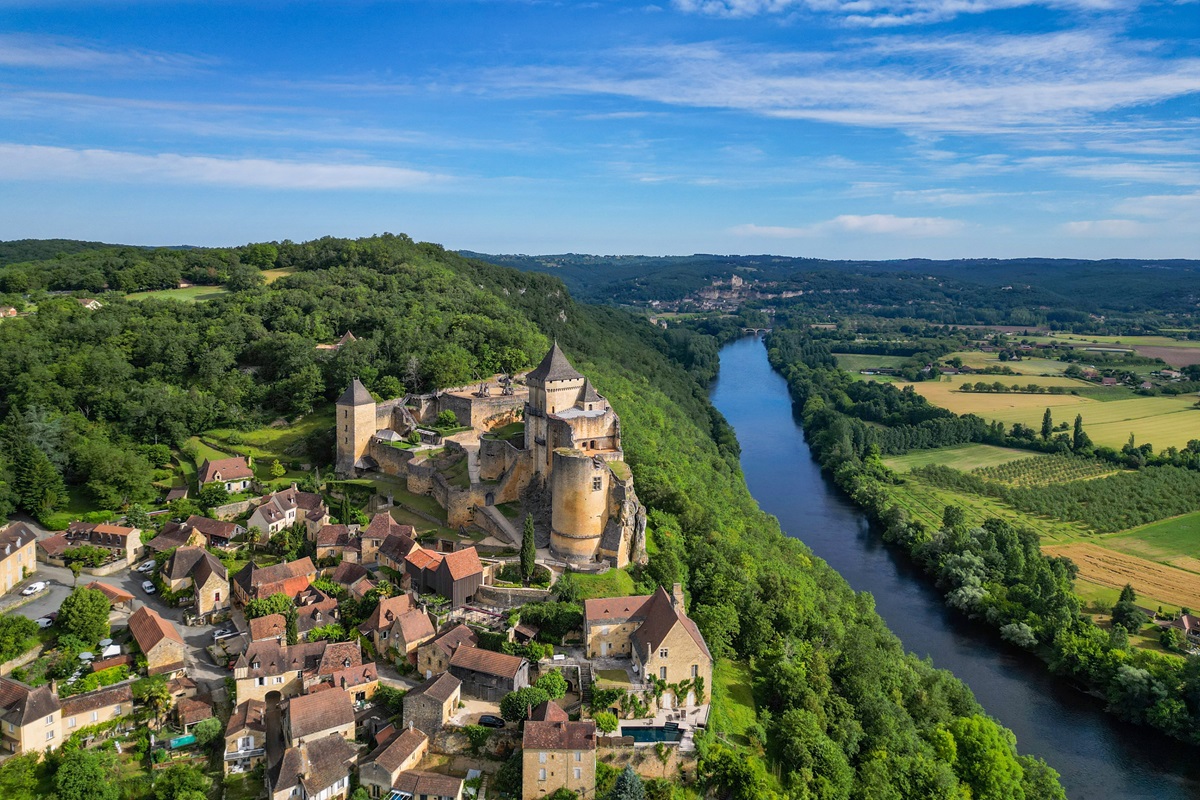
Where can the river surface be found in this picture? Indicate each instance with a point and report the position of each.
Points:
(1098, 756)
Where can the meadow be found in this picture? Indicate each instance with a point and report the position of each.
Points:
(1152, 581)
(946, 393)
(965, 457)
(1174, 541)
(192, 294)
(977, 359)
(853, 362)
(1161, 421)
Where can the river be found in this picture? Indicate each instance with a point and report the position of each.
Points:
(1098, 756)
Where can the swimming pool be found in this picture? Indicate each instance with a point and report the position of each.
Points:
(641, 734)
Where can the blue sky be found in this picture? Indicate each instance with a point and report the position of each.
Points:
(829, 128)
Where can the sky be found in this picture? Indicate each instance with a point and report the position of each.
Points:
(823, 128)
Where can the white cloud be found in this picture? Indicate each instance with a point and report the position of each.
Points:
(1184, 208)
(25, 51)
(1107, 228)
(34, 162)
(885, 13)
(874, 224)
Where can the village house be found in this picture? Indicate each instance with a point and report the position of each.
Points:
(395, 548)
(397, 624)
(195, 531)
(254, 582)
(270, 666)
(421, 785)
(336, 542)
(34, 720)
(199, 569)
(1190, 625)
(97, 707)
(118, 599)
(314, 716)
(125, 544)
(7, 311)
(376, 533)
(192, 710)
(433, 703)
(382, 767)
(317, 770)
(158, 640)
(355, 578)
(314, 608)
(358, 680)
(272, 626)
(557, 753)
(455, 576)
(654, 632)
(488, 675)
(434, 656)
(90, 303)
(18, 554)
(286, 508)
(50, 550)
(232, 473)
(246, 737)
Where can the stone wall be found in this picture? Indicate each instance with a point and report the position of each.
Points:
(231, 511)
(22, 660)
(496, 457)
(680, 766)
(391, 460)
(509, 597)
(482, 413)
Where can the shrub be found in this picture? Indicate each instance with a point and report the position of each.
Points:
(514, 706)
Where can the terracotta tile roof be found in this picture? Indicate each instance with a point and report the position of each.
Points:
(382, 525)
(424, 559)
(360, 587)
(225, 469)
(559, 735)
(338, 656)
(415, 626)
(121, 693)
(310, 714)
(392, 755)
(289, 578)
(352, 677)
(316, 765)
(398, 545)
(487, 662)
(428, 784)
(440, 687)
(149, 629)
(333, 535)
(463, 563)
(460, 634)
(272, 626)
(549, 711)
(387, 612)
(274, 658)
(250, 715)
(114, 595)
(189, 710)
(612, 609)
(53, 546)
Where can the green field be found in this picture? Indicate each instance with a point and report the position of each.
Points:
(853, 362)
(1026, 366)
(1123, 341)
(192, 294)
(1161, 421)
(614, 583)
(1174, 541)
(965, 457)
(733, 710)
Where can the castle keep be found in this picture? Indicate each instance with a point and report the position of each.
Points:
(571, 447)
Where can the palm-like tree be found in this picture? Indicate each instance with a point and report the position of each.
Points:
(158, 699)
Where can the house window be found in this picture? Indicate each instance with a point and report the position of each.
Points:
(578, 773)
(50, 720)
(49, 735)
(541, 758)
(662, 653)
(597, 484)
(662, 673)
(279, 679)
(260, 681)
(541, 774)
(578, 757)
(71, 722)
(95, 716)
(217, 597)
(383, 634)
(246, 743)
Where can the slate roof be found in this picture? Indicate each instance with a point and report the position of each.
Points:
(212, 528)
(312, 713)
(100, 698)
(316, 765)
(355, 395)
(487, 662)
(392, 755)
(182, 561)
(348, 572)
(149, 629)
(554, 367)
(463, 563)
(13, 538)
(173, 534)
(229, 469)
(440, 687)
(208, 566)
(274, 658)
(250, 715)
(23, 704)
(419, 783)
(661, 615)
(589, 394)
(397, 545)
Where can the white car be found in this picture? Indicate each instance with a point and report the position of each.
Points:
(148, 587)
(44, 622)
(33, 588)
(224, 633)
(146, 566)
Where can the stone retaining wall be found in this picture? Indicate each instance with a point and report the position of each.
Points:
(509, 597)
(231, 511)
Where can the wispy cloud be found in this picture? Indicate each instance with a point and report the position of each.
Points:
(33, 162)
(27, 51)
(884, 13)
(875, 224)
(1107, 228)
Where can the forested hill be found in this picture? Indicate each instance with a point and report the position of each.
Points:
(19, 250)
(839, 710)
(1123, 285)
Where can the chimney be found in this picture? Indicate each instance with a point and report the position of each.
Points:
(677, 596)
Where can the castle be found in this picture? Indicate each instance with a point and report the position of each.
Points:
(571, 448)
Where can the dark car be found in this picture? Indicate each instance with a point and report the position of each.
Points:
(491, 721)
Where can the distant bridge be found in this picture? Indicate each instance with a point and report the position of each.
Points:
(757, 331)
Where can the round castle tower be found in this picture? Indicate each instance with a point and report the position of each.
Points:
(355, 422)
(579, 504)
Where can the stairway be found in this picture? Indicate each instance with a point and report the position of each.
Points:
(585, 684)
(502, 523)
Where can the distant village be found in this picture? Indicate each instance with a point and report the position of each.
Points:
(385, 657)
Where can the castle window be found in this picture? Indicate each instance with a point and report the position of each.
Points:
(597, 484)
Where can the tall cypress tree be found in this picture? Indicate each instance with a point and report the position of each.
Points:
(1047, 424)
(528, 549)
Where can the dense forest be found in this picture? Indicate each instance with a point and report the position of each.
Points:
(996, 572)
(843, 712)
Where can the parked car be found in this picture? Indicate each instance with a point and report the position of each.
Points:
(491, 721)
(33, 588)
(44, 622)
(148, 587)
(146, 566)
(224, 633)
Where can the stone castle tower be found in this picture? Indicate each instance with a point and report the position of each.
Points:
(355, 426)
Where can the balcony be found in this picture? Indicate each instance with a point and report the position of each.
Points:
(237, 755)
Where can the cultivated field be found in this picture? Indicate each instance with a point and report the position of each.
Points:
(965, 457)
(1112, 569)
(1174, 541)
(1026, 366)
(945, 393)
(1161, 421)
(1176, 352)
(192, 294)
(853, 362)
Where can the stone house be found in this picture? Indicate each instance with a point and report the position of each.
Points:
(373, 536)
(314, 716)
(232, 473)
(246, 737)
(50, 550)
(379, 773)
(336, 542)
(317, 770)
(431, 704)
(192, 710)
(204, 572)
(272, 626)
(125, 544)
(488, 675)
(30, 719)
(397, 624)
(358, 680)
(421, 785)
(395, 547)
(288, 507)
(270, 666)
(159, 641)
(355, 578)
(196, 531)
(18, 554)
(97, 707)
(434, 656)
(253, 582)
(654, 632)
(557, 753)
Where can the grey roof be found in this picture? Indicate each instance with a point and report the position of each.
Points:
(355, 395)
(589, 393)
(554, 367)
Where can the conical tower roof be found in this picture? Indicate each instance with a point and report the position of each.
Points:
(554, 367)
(589, 392)
(355, 395)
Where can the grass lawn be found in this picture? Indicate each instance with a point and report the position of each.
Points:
(612, 676)
(853, 362)
(205, 451)
(614, 583)
(512, 432)
(977, 359)
(965, 457)
(283, 442)
(79, 502)
(732, 700)
(458, 474)
(1174, 541)
(192, 294)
